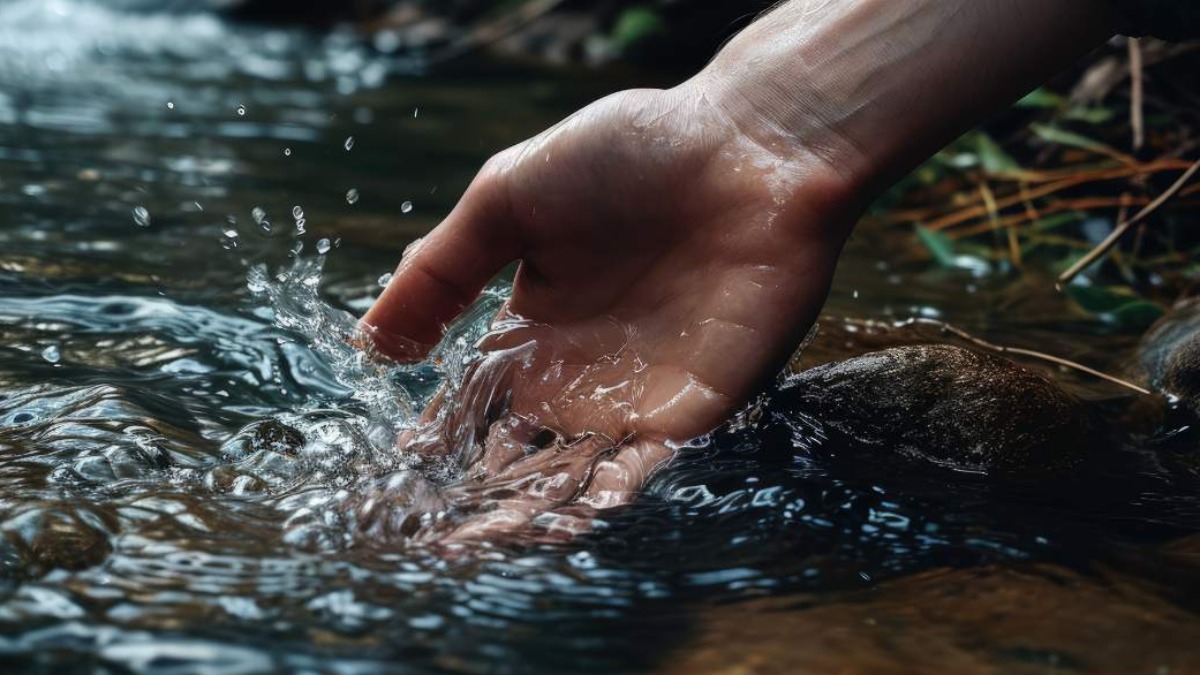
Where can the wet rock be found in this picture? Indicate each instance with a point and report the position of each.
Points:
(41, 536)
(1169, 355)
(948, 405)
(269, 435)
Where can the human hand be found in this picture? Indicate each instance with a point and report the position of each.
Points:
(670, 263)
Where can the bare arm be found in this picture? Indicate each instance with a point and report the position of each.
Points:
(676, 245)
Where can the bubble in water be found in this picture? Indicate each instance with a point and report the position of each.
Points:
(352, 196)
(241, 111)
(258, 214)
(170, 105)
(52, 354)
(229, 238)
(323, 246)
(349, 143)
(406, 207)
(298, 212)
(141, 216)
(385, 279)
(287, 152)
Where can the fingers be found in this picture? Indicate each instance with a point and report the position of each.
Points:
(619, 479)
(443, 273)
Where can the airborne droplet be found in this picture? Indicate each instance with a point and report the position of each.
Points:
(241, 111)
(385, 279)
(323, 246)
(141, 216)
(51, 354)
(352, 196)
(229, 238)
(349, 143)
(406, 207)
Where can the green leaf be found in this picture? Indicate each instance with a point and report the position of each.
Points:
(1090, 115)
(1138, 315)
(1041, 98)
(1052, 134)
(635, 25)
(1100, 299)
(992, 156)
(939, 245)
(1056, 220)
(1115, 304)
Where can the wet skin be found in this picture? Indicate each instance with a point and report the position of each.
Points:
(675, 245)
(638, 322)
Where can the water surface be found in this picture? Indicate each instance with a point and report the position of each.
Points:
(158, 170)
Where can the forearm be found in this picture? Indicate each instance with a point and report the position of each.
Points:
(876, 86)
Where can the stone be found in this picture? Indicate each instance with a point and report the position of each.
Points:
(1169, 355)
(947, 405)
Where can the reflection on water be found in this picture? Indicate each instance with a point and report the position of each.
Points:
(196, 470)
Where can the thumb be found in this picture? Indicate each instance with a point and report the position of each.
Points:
(444, 272)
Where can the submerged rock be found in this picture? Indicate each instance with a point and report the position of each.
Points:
(948, 405)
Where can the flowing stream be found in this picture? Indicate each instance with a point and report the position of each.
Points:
(192, 213)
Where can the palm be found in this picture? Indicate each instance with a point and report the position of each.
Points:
(666, 270)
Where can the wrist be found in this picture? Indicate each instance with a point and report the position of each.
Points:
(873, 87)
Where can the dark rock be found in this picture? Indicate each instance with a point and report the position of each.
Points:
(948, 405)
(1169, 355)
(41, 536)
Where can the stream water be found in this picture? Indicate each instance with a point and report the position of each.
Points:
(190, 215)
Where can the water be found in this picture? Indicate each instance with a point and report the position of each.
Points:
(196, 467)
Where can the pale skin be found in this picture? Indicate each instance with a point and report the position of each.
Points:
(676, 245)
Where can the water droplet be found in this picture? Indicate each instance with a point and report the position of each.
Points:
(266, 226)
(295, 251)
(323, 246)
(352, 196)
(416, 111)
(385, 279)
(141, 216)
(241, 111)
(170, 105)
(229, 238)
(287, 152)
(300, 226)
(256, 280)
(297, 212)
(406, 207)
(231, 220)
(51, 354)
(349, 143)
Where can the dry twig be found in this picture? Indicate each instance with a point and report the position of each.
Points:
(1118, 232)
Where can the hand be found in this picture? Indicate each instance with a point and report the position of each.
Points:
(669, 264)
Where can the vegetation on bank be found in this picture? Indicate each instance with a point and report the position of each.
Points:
(1093, 178)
